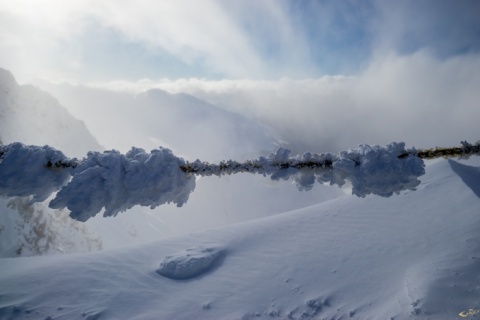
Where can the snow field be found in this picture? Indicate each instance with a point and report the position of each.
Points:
(411, 256)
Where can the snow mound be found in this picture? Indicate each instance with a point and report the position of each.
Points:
(190, 263)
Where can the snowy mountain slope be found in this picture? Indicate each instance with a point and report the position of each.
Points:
(32, 116)
(189, 126)
(412, 256)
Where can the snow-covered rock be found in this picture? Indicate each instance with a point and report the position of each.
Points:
(190, 263)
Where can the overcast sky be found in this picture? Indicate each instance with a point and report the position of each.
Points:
(325, 75)
(85, 41)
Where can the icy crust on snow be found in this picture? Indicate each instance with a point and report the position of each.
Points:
(23, 171)
(118, 182)
(190, 263)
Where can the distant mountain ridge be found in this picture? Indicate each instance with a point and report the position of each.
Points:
(191, 127)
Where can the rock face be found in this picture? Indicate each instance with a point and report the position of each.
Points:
(32, 116)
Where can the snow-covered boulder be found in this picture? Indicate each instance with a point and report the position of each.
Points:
(190, 263)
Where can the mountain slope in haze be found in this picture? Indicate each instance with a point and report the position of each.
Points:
(411, 256)
(32, 116)
(142, 120)
(190, 127)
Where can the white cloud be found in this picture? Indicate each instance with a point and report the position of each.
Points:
(189, 30)
(51, 37)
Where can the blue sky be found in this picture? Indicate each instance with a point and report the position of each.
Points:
(131, 40)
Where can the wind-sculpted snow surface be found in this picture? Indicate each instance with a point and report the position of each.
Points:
(118, 182)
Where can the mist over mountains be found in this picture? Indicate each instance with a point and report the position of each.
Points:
(32, 116)
(189, 126)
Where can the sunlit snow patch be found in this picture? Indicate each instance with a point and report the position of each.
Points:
(190, 263)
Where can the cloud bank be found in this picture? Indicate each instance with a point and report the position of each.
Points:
(420, 99)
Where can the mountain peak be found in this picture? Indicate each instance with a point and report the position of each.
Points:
(6, 79)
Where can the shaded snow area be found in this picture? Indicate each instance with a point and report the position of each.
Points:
(411, 256)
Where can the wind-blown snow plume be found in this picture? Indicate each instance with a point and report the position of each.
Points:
(118, 182)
